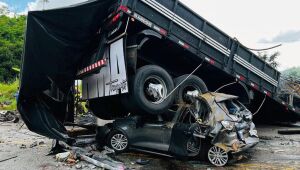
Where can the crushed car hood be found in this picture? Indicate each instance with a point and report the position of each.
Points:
(56, 42)
(243, 134)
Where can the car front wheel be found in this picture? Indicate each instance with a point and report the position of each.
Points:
(217, 156)
(118, 141)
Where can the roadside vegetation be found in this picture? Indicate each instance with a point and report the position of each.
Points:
(11, 48)
(292, 72)
(7, 95)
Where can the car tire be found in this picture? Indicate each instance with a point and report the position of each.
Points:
(118, 141)
(217, 156)
(192, 83)
(145, 101)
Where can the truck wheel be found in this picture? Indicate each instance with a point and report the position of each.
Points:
(192, 84)
(149, 89)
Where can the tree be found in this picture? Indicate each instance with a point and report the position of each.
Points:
(4, 9)
(270, 59)
(11, 46)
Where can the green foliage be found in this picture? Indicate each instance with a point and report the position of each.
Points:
(270, 59)
(11, 46)
(292, 72)
(7, 95)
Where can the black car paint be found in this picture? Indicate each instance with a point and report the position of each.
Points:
(155, 136)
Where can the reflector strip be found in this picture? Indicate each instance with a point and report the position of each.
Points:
(254, 86)
(267, 93)
(210, 61)
(185, 45)
(242, 78)
(92, 67)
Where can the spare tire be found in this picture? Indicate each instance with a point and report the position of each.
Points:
(193, 83)
(149, 88)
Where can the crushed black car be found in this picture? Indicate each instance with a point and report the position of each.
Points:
(213, 118)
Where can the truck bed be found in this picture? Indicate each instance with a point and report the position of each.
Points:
(181, 25)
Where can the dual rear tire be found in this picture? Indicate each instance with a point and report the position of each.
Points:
(151, 92)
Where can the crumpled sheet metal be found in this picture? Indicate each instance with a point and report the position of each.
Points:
(230, 141)
(217, 114)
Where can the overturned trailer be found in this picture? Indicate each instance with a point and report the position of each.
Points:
(130, 56)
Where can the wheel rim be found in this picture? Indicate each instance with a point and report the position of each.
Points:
(119, 142)
(187, 89)
(217, 156)
(155, 89)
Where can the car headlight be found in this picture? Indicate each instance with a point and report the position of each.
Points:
(228, 125)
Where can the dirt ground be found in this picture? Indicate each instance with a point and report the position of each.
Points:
(273, 152)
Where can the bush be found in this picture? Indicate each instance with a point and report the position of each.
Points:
(7, 95)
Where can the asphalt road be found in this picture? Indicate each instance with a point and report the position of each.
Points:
(273, 152)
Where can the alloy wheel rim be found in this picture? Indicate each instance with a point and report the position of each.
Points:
(217, 156)
(119, 142)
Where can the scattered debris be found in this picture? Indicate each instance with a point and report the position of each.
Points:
(241, 157)
(71, 161)
(34, 144)
(9, 116)
(23, 146)
(91, 166)
(78, 166)
(62, 157)
(8, 158)
(101, 164)
(85, 141)
(87, 119)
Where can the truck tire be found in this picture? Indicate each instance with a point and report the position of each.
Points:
(149, 89)
(191, 84)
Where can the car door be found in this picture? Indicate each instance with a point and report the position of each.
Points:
(153, 135)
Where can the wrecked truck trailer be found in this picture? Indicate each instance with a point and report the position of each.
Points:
(130, 56)
(214, 126)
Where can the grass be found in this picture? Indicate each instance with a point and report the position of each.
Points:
(7, 94)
